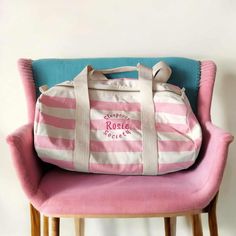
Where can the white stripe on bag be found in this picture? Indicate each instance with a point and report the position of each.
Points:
(64, 113)
(176, 157)
(165, 118)
(100, 114)
(63, 155)
(116, 158)
(52, 131)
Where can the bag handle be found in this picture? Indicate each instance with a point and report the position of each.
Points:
(161, 72)
(82, 133)
(149, 136)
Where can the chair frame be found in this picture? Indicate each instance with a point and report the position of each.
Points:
(169, 218)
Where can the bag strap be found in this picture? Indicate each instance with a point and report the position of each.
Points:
(82, 130)
(161, 72)
(149, 136)
(82, 133)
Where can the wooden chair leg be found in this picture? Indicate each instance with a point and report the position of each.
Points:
(170, 226)
(197, 225)
(35, 221)
(55, 226)
(79, 226)
(212, 219)
(45, 226)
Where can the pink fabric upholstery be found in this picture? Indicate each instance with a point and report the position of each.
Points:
(60, 192)
(25, 69)
(25, 160)
(208, 72)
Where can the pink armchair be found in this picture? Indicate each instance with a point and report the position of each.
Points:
(56, 193)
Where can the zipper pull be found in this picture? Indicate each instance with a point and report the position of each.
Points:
(182, 93)
(43, 88)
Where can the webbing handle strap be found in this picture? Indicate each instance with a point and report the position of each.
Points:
(161, 72)
(82, 119)
(149, 136)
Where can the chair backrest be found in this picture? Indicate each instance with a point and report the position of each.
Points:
(195, 76)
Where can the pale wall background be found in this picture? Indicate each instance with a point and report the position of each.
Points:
(203, 29)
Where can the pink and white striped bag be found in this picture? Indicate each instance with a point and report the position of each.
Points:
(117, 126)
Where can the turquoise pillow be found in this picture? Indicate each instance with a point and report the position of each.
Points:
(185, 72)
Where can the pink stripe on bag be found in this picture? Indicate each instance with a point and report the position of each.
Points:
(175, 146)
(136, 124)
(53, 143)
(171, 108)
(170, 167)
(108, 124)
(135, 169)
(61, 163)
(115, 106)
(59, 102)
(192, 120)
(198, 143)
(57, 122)
(180, 128)
(36, 115)
(116, 146)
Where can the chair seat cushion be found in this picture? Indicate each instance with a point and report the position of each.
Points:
(68, 193)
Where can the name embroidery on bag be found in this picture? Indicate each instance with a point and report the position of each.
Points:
(117, 125)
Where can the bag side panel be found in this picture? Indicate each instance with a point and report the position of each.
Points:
(55, 122)
(178, 132)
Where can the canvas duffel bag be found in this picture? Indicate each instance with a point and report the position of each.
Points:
(141, 126)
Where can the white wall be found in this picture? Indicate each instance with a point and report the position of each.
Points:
(203, 29)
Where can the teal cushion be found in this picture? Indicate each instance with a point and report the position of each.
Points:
(185, 72)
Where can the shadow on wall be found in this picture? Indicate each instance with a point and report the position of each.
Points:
(131, 226)
(227, 102)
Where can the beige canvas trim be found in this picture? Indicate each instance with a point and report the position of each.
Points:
(161, 72)
(150, 154)
(82, 132)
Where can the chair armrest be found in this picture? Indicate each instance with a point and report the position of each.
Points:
(212, 157)
(26, 162)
